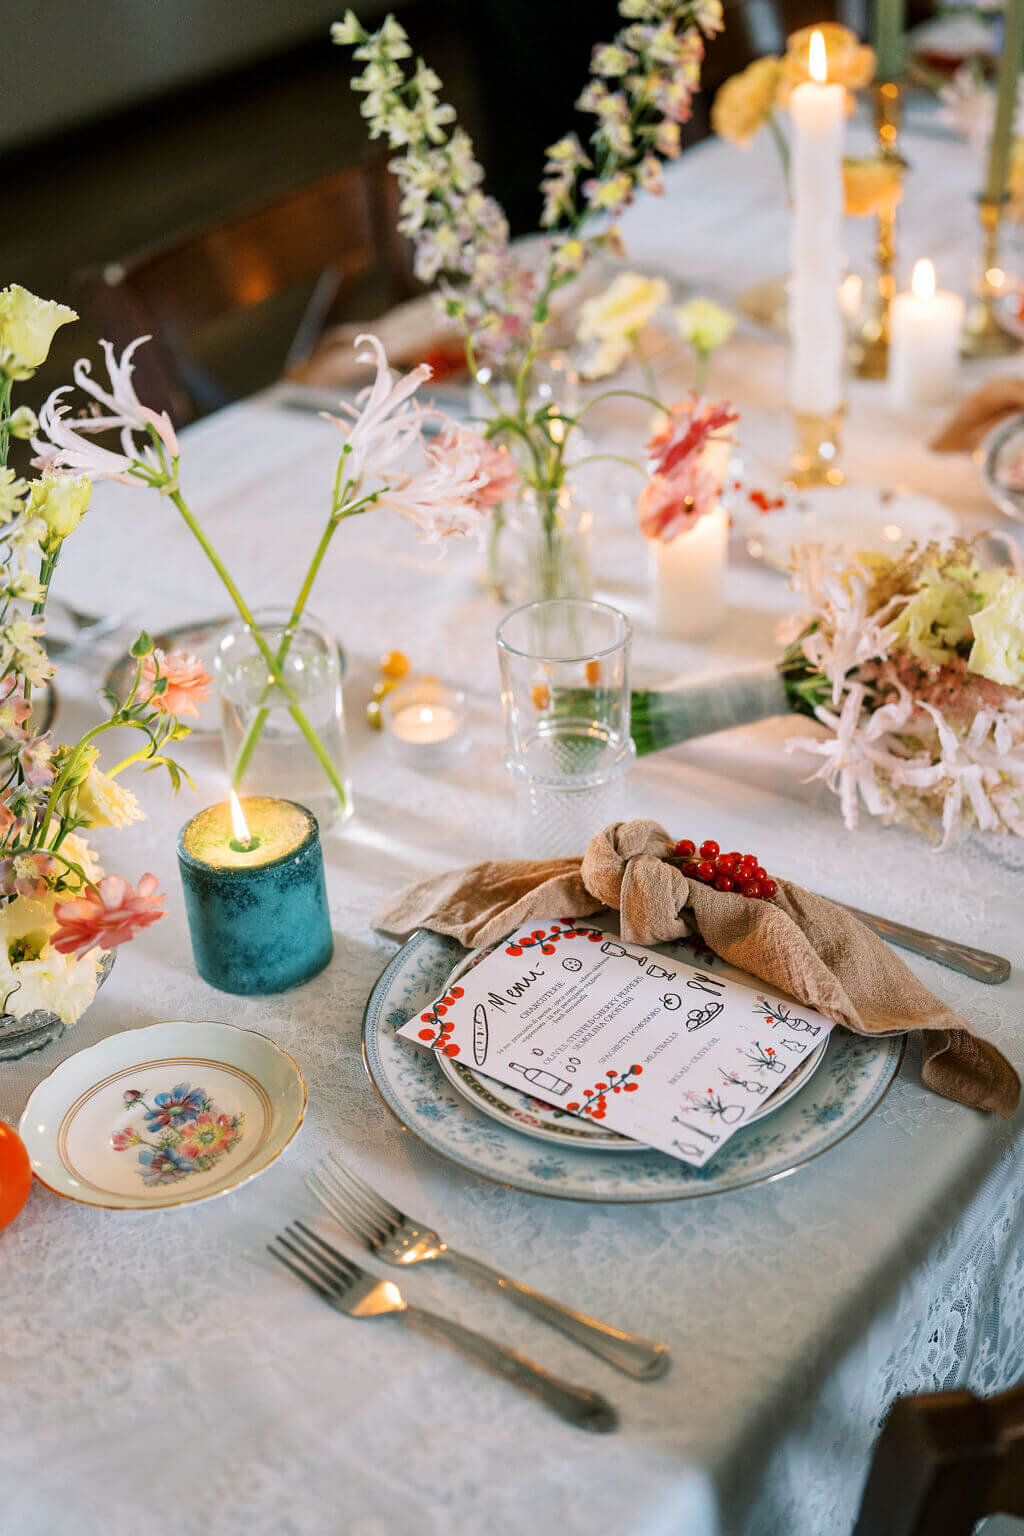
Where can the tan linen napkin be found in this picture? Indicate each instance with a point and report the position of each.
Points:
(975, 417)
(797, 942)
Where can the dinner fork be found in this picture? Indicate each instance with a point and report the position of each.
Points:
(349, 1289)
(383, 1230)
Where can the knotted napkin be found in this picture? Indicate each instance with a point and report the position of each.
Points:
(797, 942)
(975, 417)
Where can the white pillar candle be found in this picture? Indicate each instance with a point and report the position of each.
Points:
(925, 328)
(818, 111)
(689, 578)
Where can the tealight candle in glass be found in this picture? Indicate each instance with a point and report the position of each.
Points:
(424, 722)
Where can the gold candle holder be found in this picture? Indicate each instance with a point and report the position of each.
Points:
(869, 351)
(815, 460)
(983, 335)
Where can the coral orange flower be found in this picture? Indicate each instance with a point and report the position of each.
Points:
(108, 915)
(188, 682)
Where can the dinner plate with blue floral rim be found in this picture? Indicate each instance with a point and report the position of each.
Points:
(546, 1122)
(854, 1077)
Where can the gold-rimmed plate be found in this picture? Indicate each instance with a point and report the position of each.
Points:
(163, 1116)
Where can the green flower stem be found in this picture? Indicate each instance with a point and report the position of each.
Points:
(316, 746)
(46, 570)
(259, 720)
(700, 377)
(5, 416)
(781, 145)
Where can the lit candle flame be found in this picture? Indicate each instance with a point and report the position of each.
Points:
(426, 715)
(238, 822)
(817, 62)
(923, 280)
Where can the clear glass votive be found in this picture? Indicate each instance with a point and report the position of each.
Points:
(565, 693)
(282, 756)
(424, 723)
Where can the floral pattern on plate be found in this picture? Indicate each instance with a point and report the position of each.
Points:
(182, 1132)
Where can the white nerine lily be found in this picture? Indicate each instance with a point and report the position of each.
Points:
(127, 411)
(446, 493)
(64, 444)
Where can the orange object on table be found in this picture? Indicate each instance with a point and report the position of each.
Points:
(15, 1174)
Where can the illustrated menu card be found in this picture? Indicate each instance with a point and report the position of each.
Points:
(666, 1052)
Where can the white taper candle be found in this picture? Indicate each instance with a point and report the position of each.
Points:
(818, 112)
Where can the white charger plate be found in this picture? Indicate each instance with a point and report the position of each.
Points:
(162, 1116)
(545, 1122)
(854, 1078)
(846, 519)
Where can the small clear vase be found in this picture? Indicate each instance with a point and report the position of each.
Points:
(550, 534)
(268, 748)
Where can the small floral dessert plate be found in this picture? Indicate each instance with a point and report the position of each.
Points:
(546, 1122)
(163, 1116)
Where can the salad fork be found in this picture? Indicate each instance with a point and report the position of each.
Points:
(386, 1232)
(349, 1289)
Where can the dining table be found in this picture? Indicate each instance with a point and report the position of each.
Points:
(160, 1372)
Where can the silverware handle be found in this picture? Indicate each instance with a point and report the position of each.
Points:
(641, 1358)
(586, 1410)
(977, 963)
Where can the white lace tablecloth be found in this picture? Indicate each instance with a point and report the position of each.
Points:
(159, 1374)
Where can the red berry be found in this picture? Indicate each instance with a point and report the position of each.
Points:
(451, 1050)
(723, 883)
(547, 949)
(514, 949)
(760, 873)
(734, 855)
(636, 1071)
(705, 870)
(685, 849)
(753, 889)
(708, 849)
(458, 992)
(768, 889)
(631, 1087)
(573, 1106)
(726, 863)
(751, 857)
(440, 1008)
(426, 1034)
(690, 870)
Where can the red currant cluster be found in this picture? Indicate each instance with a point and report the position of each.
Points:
(725, 871)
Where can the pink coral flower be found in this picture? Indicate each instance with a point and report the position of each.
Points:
(108, 915)
(502, 476)
(188, 682)
(683, 487)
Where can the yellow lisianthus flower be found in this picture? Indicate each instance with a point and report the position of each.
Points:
(101, 802)
(28, 325)
(705, 324)
(998, 649)
(61, 501)
(616, 317)
(871, 186)
(849, 61)
(745, 103)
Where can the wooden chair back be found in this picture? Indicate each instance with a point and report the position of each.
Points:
(334, 234)
(943, 1461)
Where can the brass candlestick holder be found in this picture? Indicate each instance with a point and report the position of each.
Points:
(815, 460)
(983, 335)
(869, 349)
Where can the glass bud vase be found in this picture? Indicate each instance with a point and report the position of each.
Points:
(267, 749)
(550, 534)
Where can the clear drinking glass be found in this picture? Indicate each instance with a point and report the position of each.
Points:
(565, 692)
(306, 762)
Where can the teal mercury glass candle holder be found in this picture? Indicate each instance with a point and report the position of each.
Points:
(255, 895)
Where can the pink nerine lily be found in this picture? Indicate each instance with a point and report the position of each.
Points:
(125, 407)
